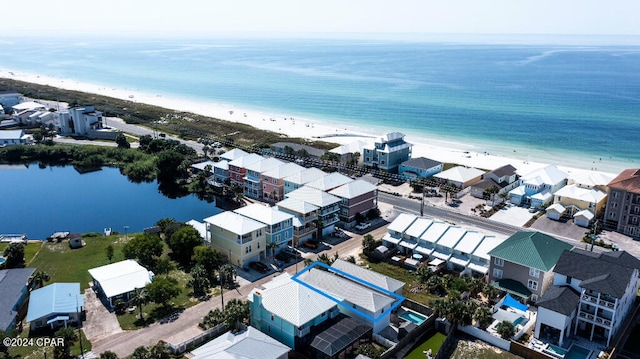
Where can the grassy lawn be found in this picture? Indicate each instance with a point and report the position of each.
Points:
(64, 264)
(30, 250)
(434, 343)
(39, 352)
(403, 275)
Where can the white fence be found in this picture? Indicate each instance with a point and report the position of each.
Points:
(487, 337)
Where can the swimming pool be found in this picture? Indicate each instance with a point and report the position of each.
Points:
(415, 318)
(577, 352)
(555, 351)
(2, 260)
(520, 320)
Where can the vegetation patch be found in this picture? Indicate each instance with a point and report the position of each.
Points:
(432, 344)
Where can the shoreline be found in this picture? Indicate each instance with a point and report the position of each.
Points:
(481, 155)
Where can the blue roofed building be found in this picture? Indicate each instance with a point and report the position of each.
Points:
(14, 294)
(56, 305)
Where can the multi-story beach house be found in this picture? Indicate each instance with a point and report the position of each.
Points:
(522, 265)
(10, 99)
(329, 182)
(504, 179)
(356, 197)
(80, 120)
(387, 152)
(273, 180)
(397, 229)
(279, 225)
(237, 168)
(622, 213)
(592, 295)
(328, 206)
(350, 152)
(299, 179)
(241, 238)
(304, 220)
(14, 286)
(421, 167)
(536, 188)
(233, 154)
(253, 180)
(583, 198)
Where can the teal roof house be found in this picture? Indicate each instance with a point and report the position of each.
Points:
(56, 305)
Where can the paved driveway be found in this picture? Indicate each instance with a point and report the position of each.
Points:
(100, 323)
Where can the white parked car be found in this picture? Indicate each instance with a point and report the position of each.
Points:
(363, 226)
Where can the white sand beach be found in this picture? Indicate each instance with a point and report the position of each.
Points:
(292, 126)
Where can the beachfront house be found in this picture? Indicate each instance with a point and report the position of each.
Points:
(14, 137)
(290, 312)
(119, 280)
(253, 179)
(536, 188)
(304, 219)
(580, 203)
(220, 173)
(397, 229)
(237, 168)
(273, 180)
(330, 181)
(233, 154)
(622, 213)
(328, 206)
(9, 99)
(495, 184)
(387, 152)
(26, 112)
(522, 265)
(81, 121)
(279, 225)
(592, 295)
(299, 179)
(55, 305)
(241, 238)
(14, 286)
(356, 197)
(420, 167)
(460, 176)
(350, 153)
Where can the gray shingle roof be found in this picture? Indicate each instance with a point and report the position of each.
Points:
(598, 272)
(12, 282)
(563, 300)
(422, 163)
(531, 249)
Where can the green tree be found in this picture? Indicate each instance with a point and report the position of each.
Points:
(237, 312)
(109, 251)
(122, 142)
(14, 256)
(39, 278)
(490, 192)
(162, 290)
(199, 281)
(368, 350)
(164, 223)
(424, 273)
(140, 298)
(227, 277)
(146, 248)
(210, 259)
(506, 329)
(164, 265)
(4, 350)
(483, 316)
(159, 351)
(69, 337)
(108, 355)
(368, 244)
(168, 166)
(183, 242)
(141, 353)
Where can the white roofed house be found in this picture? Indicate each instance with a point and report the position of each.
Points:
(304, 220)
(24, 110)
(14, 137)
(428, 239)
(387, 152)
(9, 99)
(247, 344)
(446, 243)
(253, 179)
(584, 196)
(537, 187)
(237, 168)
(460, 176)
(239, 237)
(330, 181)
(504, 179)
(233, 154)
(119, 280)
(273, 180)
(80, 121)
(328, 206)
(279, 225)
(420, 167)
(479, 264)
(299, 179)
(396, 230)
(411, 235)
(351, 152)
(459, 260)
(357, 197)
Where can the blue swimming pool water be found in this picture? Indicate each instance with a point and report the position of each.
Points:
(520, 320)
(416, 318)
(577, 352)
(553, 349)
(2, 260)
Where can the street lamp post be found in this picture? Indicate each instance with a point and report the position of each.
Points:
(126, 229)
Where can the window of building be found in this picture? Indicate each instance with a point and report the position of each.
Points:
(533, 272)
(534, 297)
(568, 281)
(258, 245)
(499, 262)
(497, 273)
(271, 316)
(532, 284)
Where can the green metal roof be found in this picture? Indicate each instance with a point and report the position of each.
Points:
(531, 249)
(514, 287)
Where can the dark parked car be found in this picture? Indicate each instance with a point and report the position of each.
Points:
(259, 266)
(284, 256)
(313, 244)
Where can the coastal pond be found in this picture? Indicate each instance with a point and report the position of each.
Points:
(39, 201)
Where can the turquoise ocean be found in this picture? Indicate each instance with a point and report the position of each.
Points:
(576, 105)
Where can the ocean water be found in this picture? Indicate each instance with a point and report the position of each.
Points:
(555, 102)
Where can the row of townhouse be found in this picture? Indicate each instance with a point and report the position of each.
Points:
(424, 240)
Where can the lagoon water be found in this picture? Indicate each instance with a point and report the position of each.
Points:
(555, 102)
(40, 201)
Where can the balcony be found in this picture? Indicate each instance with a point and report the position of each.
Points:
(603, 321)
(590, 298)
(586, 316)
(606, 303)
(603, 302)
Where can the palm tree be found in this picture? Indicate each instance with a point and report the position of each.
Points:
(159, 351)
(69, 337)
(505, 329)
(483, 317)
(272, 246)
(38, 279)
(227, 274)
(140, 297)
